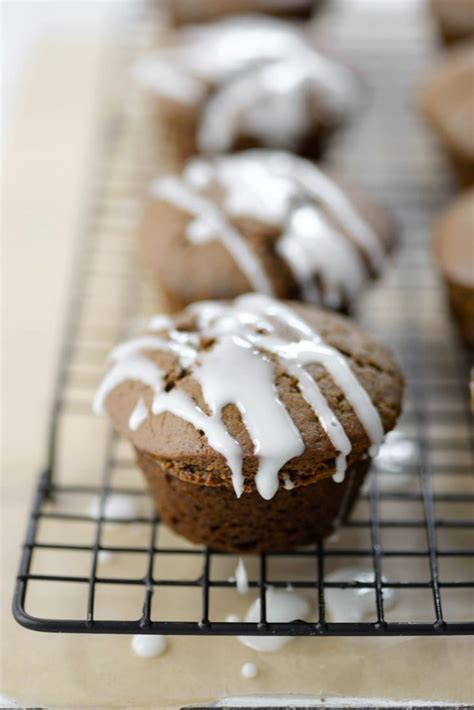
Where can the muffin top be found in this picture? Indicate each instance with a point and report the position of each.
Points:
(454, 240)
(263, 221)
(253, 393)
(249, 76)
(447, 100)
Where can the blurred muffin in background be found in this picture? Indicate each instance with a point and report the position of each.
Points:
(455, 19)
(263, 221)
(454, 253)
(245, 82)
(188, 11)
(447, 102)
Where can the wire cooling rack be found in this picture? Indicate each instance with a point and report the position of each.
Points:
(84, 571)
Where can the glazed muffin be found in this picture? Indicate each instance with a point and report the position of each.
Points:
(447, 102)
(455, 19)
(253, 420)
(244, 82)
(188, 11)
(262, 221)
(454, 253)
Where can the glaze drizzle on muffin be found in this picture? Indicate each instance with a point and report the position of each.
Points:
(250, 75)
(232, 352)
(322, 233)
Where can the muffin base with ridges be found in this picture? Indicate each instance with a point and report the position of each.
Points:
(215, 517)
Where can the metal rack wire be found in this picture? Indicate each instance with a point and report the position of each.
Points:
(413, 525)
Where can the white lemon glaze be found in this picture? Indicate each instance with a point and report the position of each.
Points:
(266, 79)
(281, 606)
(238, 370)
(324, 240)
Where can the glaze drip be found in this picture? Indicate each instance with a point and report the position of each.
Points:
(282, 605)
(352, 604)
(323, 239)
(147, 646)
(241, 577)
(249, 670)
(239, 369)
(138, 416)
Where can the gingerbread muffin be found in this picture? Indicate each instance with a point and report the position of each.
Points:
(455, 19)
(244, 82)
(262, 221)
(447, 102)
(454, 252)
(253, 420)
(183, 12)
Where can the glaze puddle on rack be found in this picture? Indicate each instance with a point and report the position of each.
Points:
(412, 530)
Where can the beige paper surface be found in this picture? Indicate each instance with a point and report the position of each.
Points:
(45, 175)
